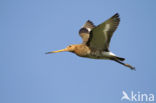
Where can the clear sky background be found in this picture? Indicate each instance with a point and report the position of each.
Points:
(29, 28)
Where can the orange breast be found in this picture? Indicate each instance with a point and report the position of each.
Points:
(82, 50)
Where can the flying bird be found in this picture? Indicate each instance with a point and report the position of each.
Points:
(96, 41)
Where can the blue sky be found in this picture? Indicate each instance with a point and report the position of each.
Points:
(29, 28)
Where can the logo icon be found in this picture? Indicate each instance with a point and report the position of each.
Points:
(125, 96)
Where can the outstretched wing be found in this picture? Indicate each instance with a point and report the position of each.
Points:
(100, 36)
(84, 32)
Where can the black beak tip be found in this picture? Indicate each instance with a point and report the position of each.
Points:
(133, 69)
(47, 52)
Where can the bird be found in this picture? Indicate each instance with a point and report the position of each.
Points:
(96, 41)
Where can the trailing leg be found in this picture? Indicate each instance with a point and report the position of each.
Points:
(127, 65)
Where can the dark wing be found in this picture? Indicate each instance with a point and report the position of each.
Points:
(100, 36)
(84, 32)
(89, 24)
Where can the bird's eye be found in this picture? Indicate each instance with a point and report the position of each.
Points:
(69, 46)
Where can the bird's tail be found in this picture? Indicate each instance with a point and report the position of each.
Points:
(127, 65)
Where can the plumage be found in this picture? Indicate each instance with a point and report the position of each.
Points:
(84, 32)
(89, 24)
(100, 36)
(96, 41)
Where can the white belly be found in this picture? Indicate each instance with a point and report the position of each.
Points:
(108, 54)
(102, 55)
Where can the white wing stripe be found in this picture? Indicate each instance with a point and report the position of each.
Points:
(107, 27)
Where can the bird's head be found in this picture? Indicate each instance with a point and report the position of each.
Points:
(69, 48)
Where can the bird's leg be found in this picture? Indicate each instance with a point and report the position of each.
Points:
(127, 65)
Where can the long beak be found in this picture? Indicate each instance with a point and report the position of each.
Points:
(62, 50)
